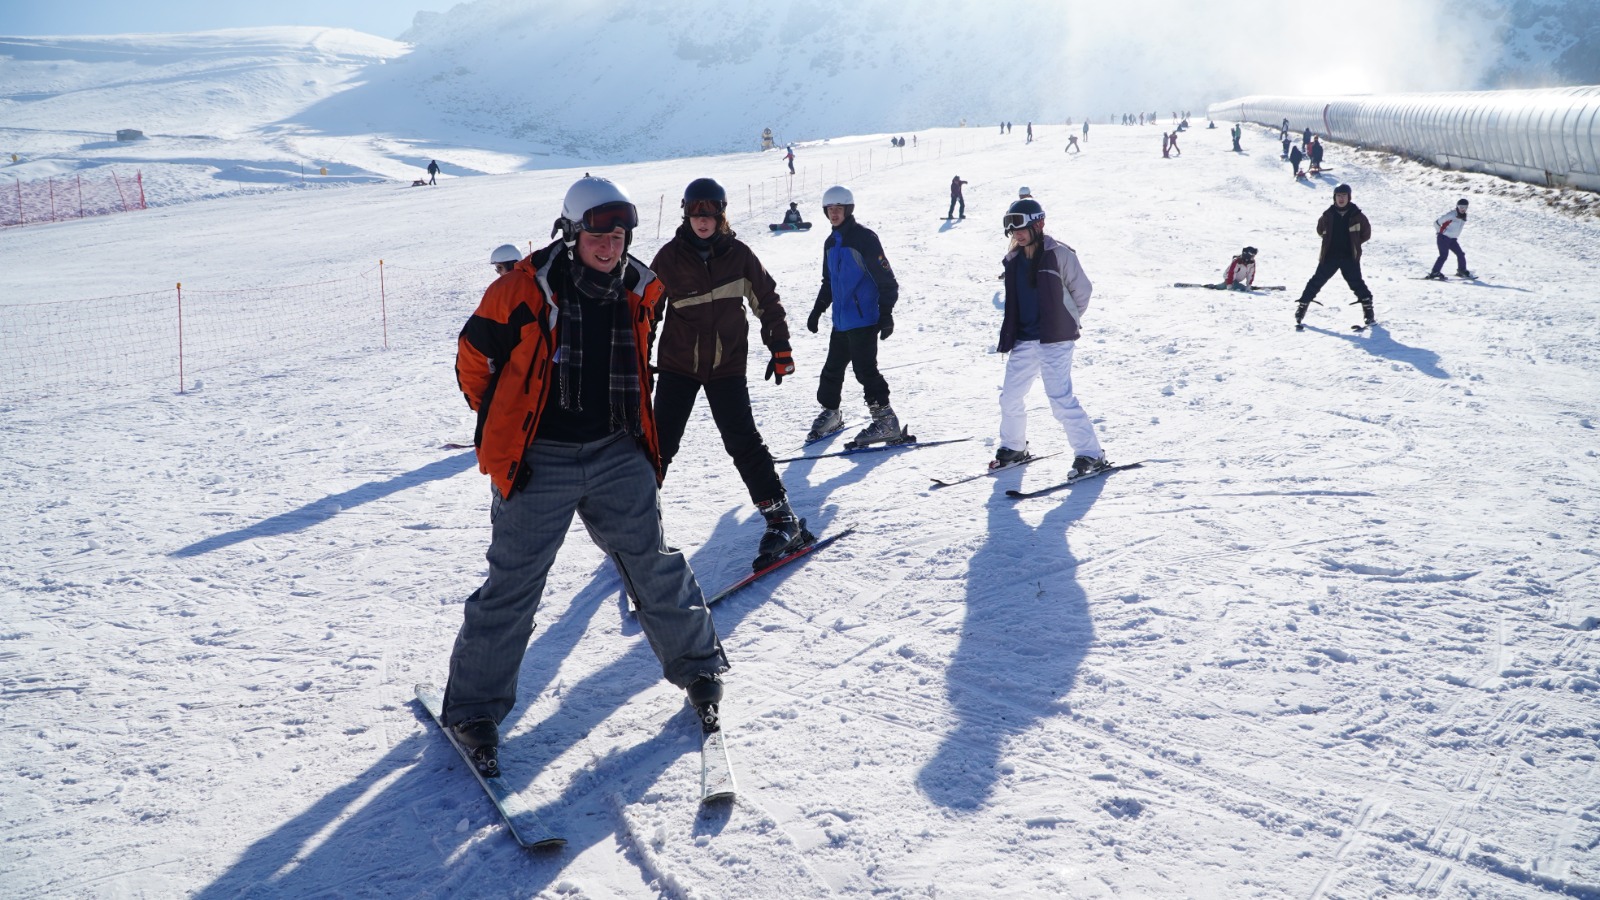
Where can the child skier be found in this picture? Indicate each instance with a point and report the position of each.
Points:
(858, 283)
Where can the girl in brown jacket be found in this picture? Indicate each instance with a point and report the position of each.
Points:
(710, 275)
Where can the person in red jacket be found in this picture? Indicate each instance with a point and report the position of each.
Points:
(1241, 274)
(555, 362)
(709, 276)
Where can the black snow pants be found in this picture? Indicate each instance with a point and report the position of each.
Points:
(729, 399)
(858, 349)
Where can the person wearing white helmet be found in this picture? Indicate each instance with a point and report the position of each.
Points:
(504, 258)
(860, 287)
(1047, 294)
(555, 361)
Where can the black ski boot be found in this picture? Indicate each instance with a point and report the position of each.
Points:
(785, 534)
(1088, 465)
(884, 427)
(1006, 456)
(1300, 314)
(1366, 312)
(1437, 276)
(1463, 273)
(481, 737)
(704, 695)
(827, 422)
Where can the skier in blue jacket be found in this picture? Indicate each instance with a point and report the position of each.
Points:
(858, 283)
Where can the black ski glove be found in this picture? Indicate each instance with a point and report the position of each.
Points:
(814, 319)
(780, 365)
(885, 325)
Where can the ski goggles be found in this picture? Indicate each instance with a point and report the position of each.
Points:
(1013, 221)
(709, 209)
(608, 217)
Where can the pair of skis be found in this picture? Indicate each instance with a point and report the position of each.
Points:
(905, 441)
(717, 783)
(1024, 495)
(1225, 287)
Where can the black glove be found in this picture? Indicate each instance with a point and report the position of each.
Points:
(780, 365)
(813, 319)
(885, 325)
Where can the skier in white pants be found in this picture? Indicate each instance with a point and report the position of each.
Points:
(1046, 296)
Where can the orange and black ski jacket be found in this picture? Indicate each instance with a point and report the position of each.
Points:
(506, 353)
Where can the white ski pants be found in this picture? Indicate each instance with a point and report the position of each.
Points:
(1052, 363)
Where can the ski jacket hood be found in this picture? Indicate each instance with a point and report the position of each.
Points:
(705, 334)
(1063, 287)
(505, 358)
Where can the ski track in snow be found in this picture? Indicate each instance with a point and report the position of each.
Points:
(1334, 639)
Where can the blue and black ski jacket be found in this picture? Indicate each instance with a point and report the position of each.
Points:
(856, 279)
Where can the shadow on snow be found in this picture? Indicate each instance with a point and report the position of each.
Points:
(320, 511)
(1026, 632)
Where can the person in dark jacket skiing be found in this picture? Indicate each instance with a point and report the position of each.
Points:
(555, 362)
(955, 197)
(1047, 294)
(1344, 228)
(709, 276)
(860, 287)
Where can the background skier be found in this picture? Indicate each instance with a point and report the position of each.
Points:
(956, 197)
(710, 275)
(1447, 230)
(858, 283)
(1241, 274)
(433, 171)
(1344, 228)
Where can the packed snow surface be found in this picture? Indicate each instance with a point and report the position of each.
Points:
(1334, 639)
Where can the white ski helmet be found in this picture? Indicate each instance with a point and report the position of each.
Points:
(596, 205)
(505, 253)
(838, 195)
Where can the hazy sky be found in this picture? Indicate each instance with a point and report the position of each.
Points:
(36, 17)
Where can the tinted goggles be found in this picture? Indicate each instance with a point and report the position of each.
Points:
(1013, 221)
(608, 217)
(710, 209)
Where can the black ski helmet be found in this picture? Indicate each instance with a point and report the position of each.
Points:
(1342, 189)
(705, 189)
(1022, 213)
(1250, 252)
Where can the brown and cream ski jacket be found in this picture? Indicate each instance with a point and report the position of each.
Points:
(705, 334)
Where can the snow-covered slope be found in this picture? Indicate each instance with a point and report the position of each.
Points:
(1336, 639)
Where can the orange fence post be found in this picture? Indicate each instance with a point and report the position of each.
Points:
(140, 176)
(118, 182)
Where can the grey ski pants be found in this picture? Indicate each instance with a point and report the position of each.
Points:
(611, 485)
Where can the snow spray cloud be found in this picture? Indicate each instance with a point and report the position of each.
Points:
(616, 80)
(1151, 54)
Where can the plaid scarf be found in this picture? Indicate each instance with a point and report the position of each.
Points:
(607, 289)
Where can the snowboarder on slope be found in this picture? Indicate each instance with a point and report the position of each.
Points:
(1447, 230)
(956, 197)
(1344, 228)
(1047, 294)
(574, 434)
(788, 157)
(858, 283)
(792, 217)
(709, 276)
